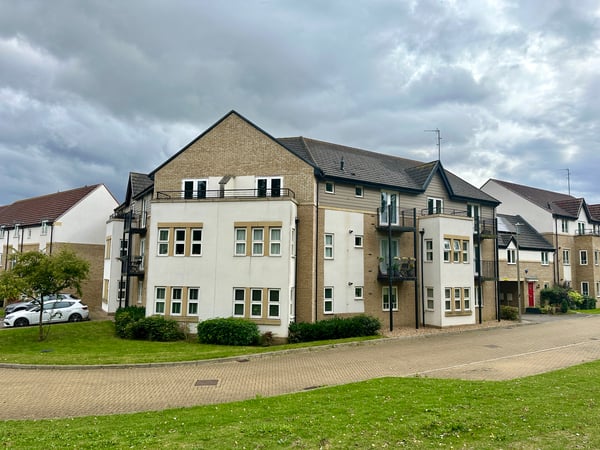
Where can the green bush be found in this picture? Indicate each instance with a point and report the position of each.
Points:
(509, 312)
(588, 303)
(564, 306)
(125, 316)
(155, 328)
(230, 331)
(131, 323)
(336, 328)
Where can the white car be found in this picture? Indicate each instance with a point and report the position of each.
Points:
(68, 310)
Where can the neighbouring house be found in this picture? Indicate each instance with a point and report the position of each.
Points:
(73, 219)
(239, 223)
(569, 224)
(525, 260)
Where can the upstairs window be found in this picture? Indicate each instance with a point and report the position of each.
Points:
(388, 199)
(44, 228)
(275, 241)
(194, 189)
(358, 191)
(330, 187)
(240, 242)
(428, 250)
(163, 241)
(580, 228)
(268, 186)
(544, 258)
(180, 242)
(511, 256)
(196, 245)
(583, 259)
(435, 205)
(564, 226)
(258, 241)
(566, 253)
(328, 246)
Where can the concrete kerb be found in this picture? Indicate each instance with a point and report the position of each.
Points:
(269, 354)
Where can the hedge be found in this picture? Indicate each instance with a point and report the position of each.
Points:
(131, 323)
(336, 328)
(230, 331)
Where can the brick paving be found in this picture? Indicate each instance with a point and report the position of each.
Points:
(496, 353)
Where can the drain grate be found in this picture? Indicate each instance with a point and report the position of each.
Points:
(206, 382)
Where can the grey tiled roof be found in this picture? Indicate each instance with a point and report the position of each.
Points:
(139, 183)
(529, 238)
(362, 166)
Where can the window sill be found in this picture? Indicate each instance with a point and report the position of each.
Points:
(458, 313)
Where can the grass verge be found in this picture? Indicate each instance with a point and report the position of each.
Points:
(556, 410)
(95, 342)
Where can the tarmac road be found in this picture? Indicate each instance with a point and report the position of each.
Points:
(535, 346)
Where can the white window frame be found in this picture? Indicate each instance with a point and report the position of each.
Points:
(328, 243)
(359, 191)
(178, 243)
(358, 241)
(447, 250)
(465, 251)
(274, 243)
(274, 303)
(268, 190)
(457, 299)
(384, 294)
(585, 288)
(196, 242)
(176, 300)
(240, 241)
(193, 299)
(511, 256)
(359, 293)
(447, 299)
(596, 257)
(160, 297)
(16, 231)
(198, 188)
(258, 241)
(429, 250)
(44, 228)
(566, 253)
(430, 294)
(163, 244)
(256, 301)
(239, 302)
(544, 258)
(329, 187)
(383, 212)
(456, 250)
(466, 298)
(328, 300)
(583, 258)
(435, 205)
(581, 228)
(564, 225)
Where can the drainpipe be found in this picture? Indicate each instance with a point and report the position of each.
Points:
(317, 258)
(390, 286)
(51, 236)
(496, 267)
(422, 267)
(297, 221)
(556, 268)
(479, 278)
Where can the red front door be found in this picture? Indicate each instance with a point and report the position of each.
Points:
(531, 295)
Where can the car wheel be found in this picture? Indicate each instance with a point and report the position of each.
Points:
(21, 322)
(75, 317)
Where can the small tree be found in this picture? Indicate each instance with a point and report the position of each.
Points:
(37, 275)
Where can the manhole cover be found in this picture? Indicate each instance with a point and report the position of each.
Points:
(206, 382)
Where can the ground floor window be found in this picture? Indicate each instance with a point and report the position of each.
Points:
(386, 298)
(430, 298)
(457, 299)
(159, 300)
(328, 300)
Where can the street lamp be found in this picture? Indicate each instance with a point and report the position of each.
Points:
(517, 225)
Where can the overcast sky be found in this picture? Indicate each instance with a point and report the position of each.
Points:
(93, 90)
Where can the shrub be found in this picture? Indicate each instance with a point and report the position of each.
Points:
(154, 328)
(131, 323)
(230, 331)
(564, 306)
(336, 328)
(125, 316)
(588, 303)
(509, 312)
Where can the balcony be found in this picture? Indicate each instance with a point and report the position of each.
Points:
(134, 267)
(233, 194)
(487, 270)
(403, 269)
(403, 220)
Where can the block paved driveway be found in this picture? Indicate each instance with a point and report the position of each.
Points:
(485, 354)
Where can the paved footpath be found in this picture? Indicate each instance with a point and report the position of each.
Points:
(483, 354)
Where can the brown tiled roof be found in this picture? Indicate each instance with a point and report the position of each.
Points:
(594, 211)
(550, 201)
(49, 207)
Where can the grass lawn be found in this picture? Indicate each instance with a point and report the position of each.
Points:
(557, 410)
(95, 343)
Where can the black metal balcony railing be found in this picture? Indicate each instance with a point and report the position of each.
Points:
(486, 270)
(405, 269)
(225, 193)
(444, 211)
(403, 219)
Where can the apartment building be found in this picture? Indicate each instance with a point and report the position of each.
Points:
(569, 225)
(239, 223)
(73, 219)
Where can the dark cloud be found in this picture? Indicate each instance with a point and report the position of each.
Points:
(92, 90)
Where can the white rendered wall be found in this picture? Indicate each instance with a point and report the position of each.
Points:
(112, 265)
(346, 270)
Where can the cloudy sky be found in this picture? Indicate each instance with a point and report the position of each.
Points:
(92, 90)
